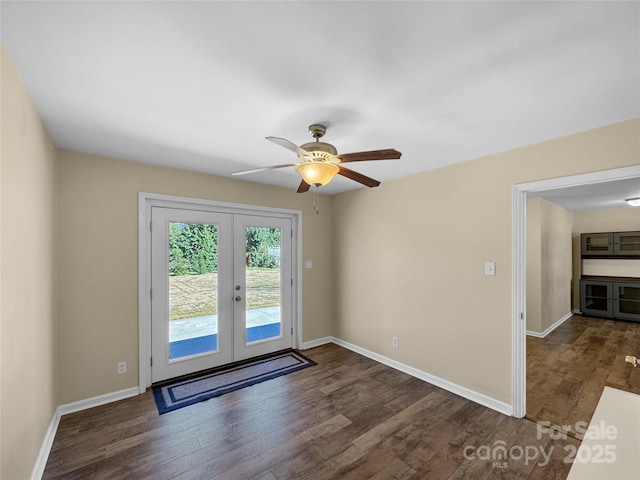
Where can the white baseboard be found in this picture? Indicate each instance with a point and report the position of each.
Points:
(317, 342)
(464, 392)
(45, 449)
(551, 328)
(474, 396)
(97, 401)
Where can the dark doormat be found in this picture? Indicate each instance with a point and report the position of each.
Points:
(184, 391)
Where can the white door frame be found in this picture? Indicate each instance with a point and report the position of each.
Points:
(148, 200)
(519, 251)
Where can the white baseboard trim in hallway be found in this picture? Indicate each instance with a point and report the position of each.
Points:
(551, 328)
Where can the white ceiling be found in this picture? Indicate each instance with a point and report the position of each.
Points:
(594, 196)
(198, 85)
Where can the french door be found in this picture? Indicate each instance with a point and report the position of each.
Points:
(221, 289)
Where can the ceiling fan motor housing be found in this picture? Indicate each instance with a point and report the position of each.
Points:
(319, 147)
(318, 130)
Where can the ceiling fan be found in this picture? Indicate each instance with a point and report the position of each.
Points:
(320, 162)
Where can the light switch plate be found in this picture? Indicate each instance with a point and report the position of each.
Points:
(308, 264)
(490, 268)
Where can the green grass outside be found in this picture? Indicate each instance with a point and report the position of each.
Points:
(196, 295)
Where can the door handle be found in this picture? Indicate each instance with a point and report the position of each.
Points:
(238, 298)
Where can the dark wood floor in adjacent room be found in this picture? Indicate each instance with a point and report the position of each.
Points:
(348, 417)
(569, 368)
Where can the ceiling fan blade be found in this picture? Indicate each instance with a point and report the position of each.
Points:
(283, 142)
(303, 187)
(256, 170)
(358, 177)
(387, 154)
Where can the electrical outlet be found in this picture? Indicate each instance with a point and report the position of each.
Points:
(394, 341)
(122, 368)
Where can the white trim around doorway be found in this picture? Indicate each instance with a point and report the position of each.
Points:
(148, 200)
(518, 249)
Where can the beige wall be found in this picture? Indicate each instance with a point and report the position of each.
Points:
(27, 313)
(405, 259)
(534, 265)
(606, 220)
(412, 253)
(98, 257)
(557, 265)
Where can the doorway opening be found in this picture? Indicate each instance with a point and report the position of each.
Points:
(519, 197)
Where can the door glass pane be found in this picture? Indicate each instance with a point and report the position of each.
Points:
(595, 303)
(262, 276)
(597, 243)
(596, 297)
(629, 292)
(597, 291)
(629, 299)
(629, 243)
(629, 307)
(193, 292)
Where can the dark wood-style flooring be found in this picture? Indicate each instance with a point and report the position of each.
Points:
(348, 417)
(568, 370)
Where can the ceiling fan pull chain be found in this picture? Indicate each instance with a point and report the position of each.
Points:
(315, 199)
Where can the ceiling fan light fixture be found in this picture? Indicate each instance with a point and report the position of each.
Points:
(634, 202)
(320, 162)
(317, 173)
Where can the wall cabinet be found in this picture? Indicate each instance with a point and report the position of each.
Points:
(596, 298)
(610, 244)
(626, 301)
(597, 244)
(611, 298)
(626, 243)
